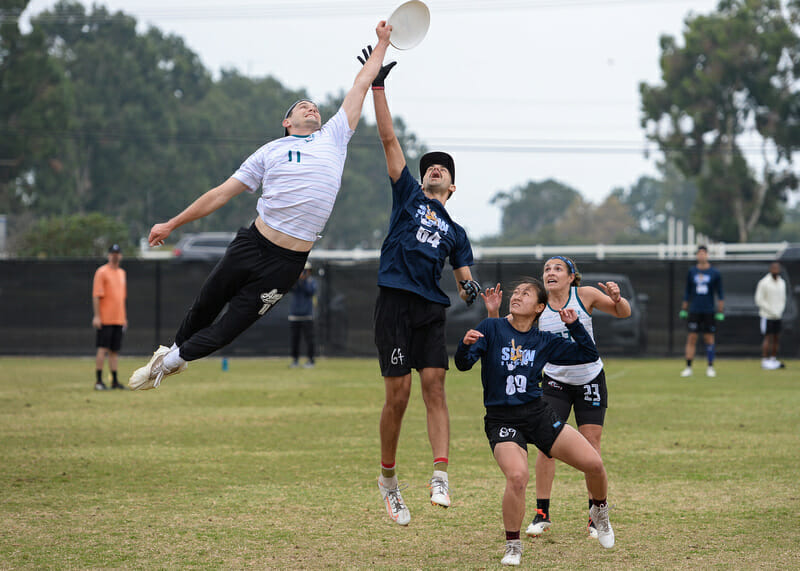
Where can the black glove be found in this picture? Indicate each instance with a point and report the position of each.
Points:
(384, 71)
(472, 288)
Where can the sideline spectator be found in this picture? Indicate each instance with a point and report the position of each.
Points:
(702, 283)
(109, 291)
(301, 316)
(771, 301)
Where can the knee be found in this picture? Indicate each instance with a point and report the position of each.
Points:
(397, 402)
(517, 480)
(595, 467)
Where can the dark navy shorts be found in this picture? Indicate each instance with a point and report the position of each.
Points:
(109, 337)
(701, 323)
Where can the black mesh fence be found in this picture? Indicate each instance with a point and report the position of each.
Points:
(45, 307)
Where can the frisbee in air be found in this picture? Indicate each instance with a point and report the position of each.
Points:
(410, 22)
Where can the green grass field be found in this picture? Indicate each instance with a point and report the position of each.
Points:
(266, 467)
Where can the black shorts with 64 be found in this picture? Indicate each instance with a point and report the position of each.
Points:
(409, 332)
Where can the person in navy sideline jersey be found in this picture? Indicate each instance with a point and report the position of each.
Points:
(301, 316)
(410, 310)
(581, 387)
(299, 175)
(703, 283)
(513, 353)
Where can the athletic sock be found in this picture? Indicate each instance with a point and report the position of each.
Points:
(99, 374)
(512, 535)
(689, 363)
(544, 505)
(710, 355)
(598, 503)
(173, 361)
(440, 464)
(388, 470)
(590, 503)
(114, 377)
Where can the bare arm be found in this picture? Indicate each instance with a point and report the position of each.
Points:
(354, 100)
(96, 323)
(492, 298)
(610, 302)
(395, 161)
(210, 201)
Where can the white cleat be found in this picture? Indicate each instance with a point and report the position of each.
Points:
(513, 554)
(687, 372)
(440, 489)
(540, 524)
(151, 375)
(395, 506)
(605, 533)
(710, 372)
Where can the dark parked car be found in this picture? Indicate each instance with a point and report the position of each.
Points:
(626, 336)
(207, 246)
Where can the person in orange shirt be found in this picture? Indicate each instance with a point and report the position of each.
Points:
(109, 291)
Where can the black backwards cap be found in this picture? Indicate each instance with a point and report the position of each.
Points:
(114, 249)
(437, 158)
(289, 112)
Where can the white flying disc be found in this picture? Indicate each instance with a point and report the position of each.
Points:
(410, 22)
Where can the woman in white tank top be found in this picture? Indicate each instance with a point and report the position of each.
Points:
(581, 388)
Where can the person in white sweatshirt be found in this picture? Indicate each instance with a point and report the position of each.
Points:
(771, 301)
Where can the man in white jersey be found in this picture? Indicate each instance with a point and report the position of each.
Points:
(299, 175)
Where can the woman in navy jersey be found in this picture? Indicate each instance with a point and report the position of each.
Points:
(513, 353)
(582, 387)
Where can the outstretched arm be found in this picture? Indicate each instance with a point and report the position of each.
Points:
(354, 100)
(210, 201)
(608, 301)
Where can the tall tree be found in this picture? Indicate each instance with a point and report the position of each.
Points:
(735, 75)
(530, 209)
(32, 104)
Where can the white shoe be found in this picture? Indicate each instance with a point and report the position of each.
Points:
(440, 489)
(395, 506)
(151, 375)
(710, 372)
(766, 364)
(687, 372)
(540, 524)
(513, 552)
(605, 533)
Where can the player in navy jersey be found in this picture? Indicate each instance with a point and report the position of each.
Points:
(578, 388)
(410, 310)
(703, 283)
(299, 176)
(513, 353)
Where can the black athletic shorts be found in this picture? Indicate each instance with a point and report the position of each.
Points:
(409, 332)
(535, 422)
(770, 326)
(589, 401)
(701, 323)
(109, 337)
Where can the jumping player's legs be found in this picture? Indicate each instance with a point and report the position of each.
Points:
(433, 394)
(252, 277)
(398, 391)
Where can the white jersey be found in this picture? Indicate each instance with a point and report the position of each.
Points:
(299, 178)
(550, 321)
(771, 297)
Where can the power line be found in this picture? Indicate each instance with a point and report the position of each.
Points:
(317, 10)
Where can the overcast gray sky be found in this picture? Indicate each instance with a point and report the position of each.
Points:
(516, 90)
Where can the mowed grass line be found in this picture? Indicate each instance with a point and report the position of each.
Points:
(266, 467)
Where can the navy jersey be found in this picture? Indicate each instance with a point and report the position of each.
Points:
(701, 285)
(512, 361)
(421, 237)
